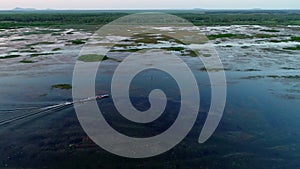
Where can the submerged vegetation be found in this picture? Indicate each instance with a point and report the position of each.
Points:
(40, 54)
(295, 38)
(174, 49)
(269, 30)
(28, 51)
(27, 61)
(61, 86)
(292, 48)
(238, 36)
(227, 35)
(10, 56)
(206, 55)
(78, 42)
(40, 43)
(92, 58)
(273, 77)
(56, 49)
(140, 41)
(264, 36)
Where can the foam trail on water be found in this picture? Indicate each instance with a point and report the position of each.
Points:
(57, 105)
(50, 108)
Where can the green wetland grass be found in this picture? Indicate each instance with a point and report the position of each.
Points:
(56, 49)
(92, 58)
(269, 30)
(292, 48)
(78, 42)
(27, 61)
(88, 19)
(40, 54)
(61, 86)
(10, 56)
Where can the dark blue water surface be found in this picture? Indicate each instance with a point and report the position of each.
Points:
(259, 129)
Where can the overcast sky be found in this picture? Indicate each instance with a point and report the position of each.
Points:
(150, 4)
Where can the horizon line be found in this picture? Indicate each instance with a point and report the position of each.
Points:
(102, 9)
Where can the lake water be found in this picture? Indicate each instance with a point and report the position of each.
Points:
(259, 128)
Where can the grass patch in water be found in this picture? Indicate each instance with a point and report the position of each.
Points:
(292, 48)
(169, 39)
(277, 41)
(206, 55)
(204, 69)
(28, 51)
(124, 45)
(56, 49)
(40, 54)
(126, 50)
(39, 32)
(148, 38)
(174, 48)
(10, 56)
(61, 86)
(252, 70)
(248, 70)
(92, 58)
(39, 43)
(145, 38)
(269, 30)
(275, 50)
(245, 47)
(253, 77)
(288, 68)
(264, 36)
(182, 50)
(18, 40)
(128, 47)
(227, 35)
(286, 77)
(192, 53)
(13, 51)
(295, 38)
(273, 77)
(56, 34)
(77, 42)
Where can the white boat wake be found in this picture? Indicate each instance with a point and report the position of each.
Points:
(51, 108)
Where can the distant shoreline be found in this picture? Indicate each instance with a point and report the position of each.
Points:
(124, 10)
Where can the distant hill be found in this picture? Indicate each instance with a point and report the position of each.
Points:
(199, 9)
(23, 9)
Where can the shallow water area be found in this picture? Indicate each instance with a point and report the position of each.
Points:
(260, 125)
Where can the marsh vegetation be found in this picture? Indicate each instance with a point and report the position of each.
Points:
(62, 86)
(259, 51)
